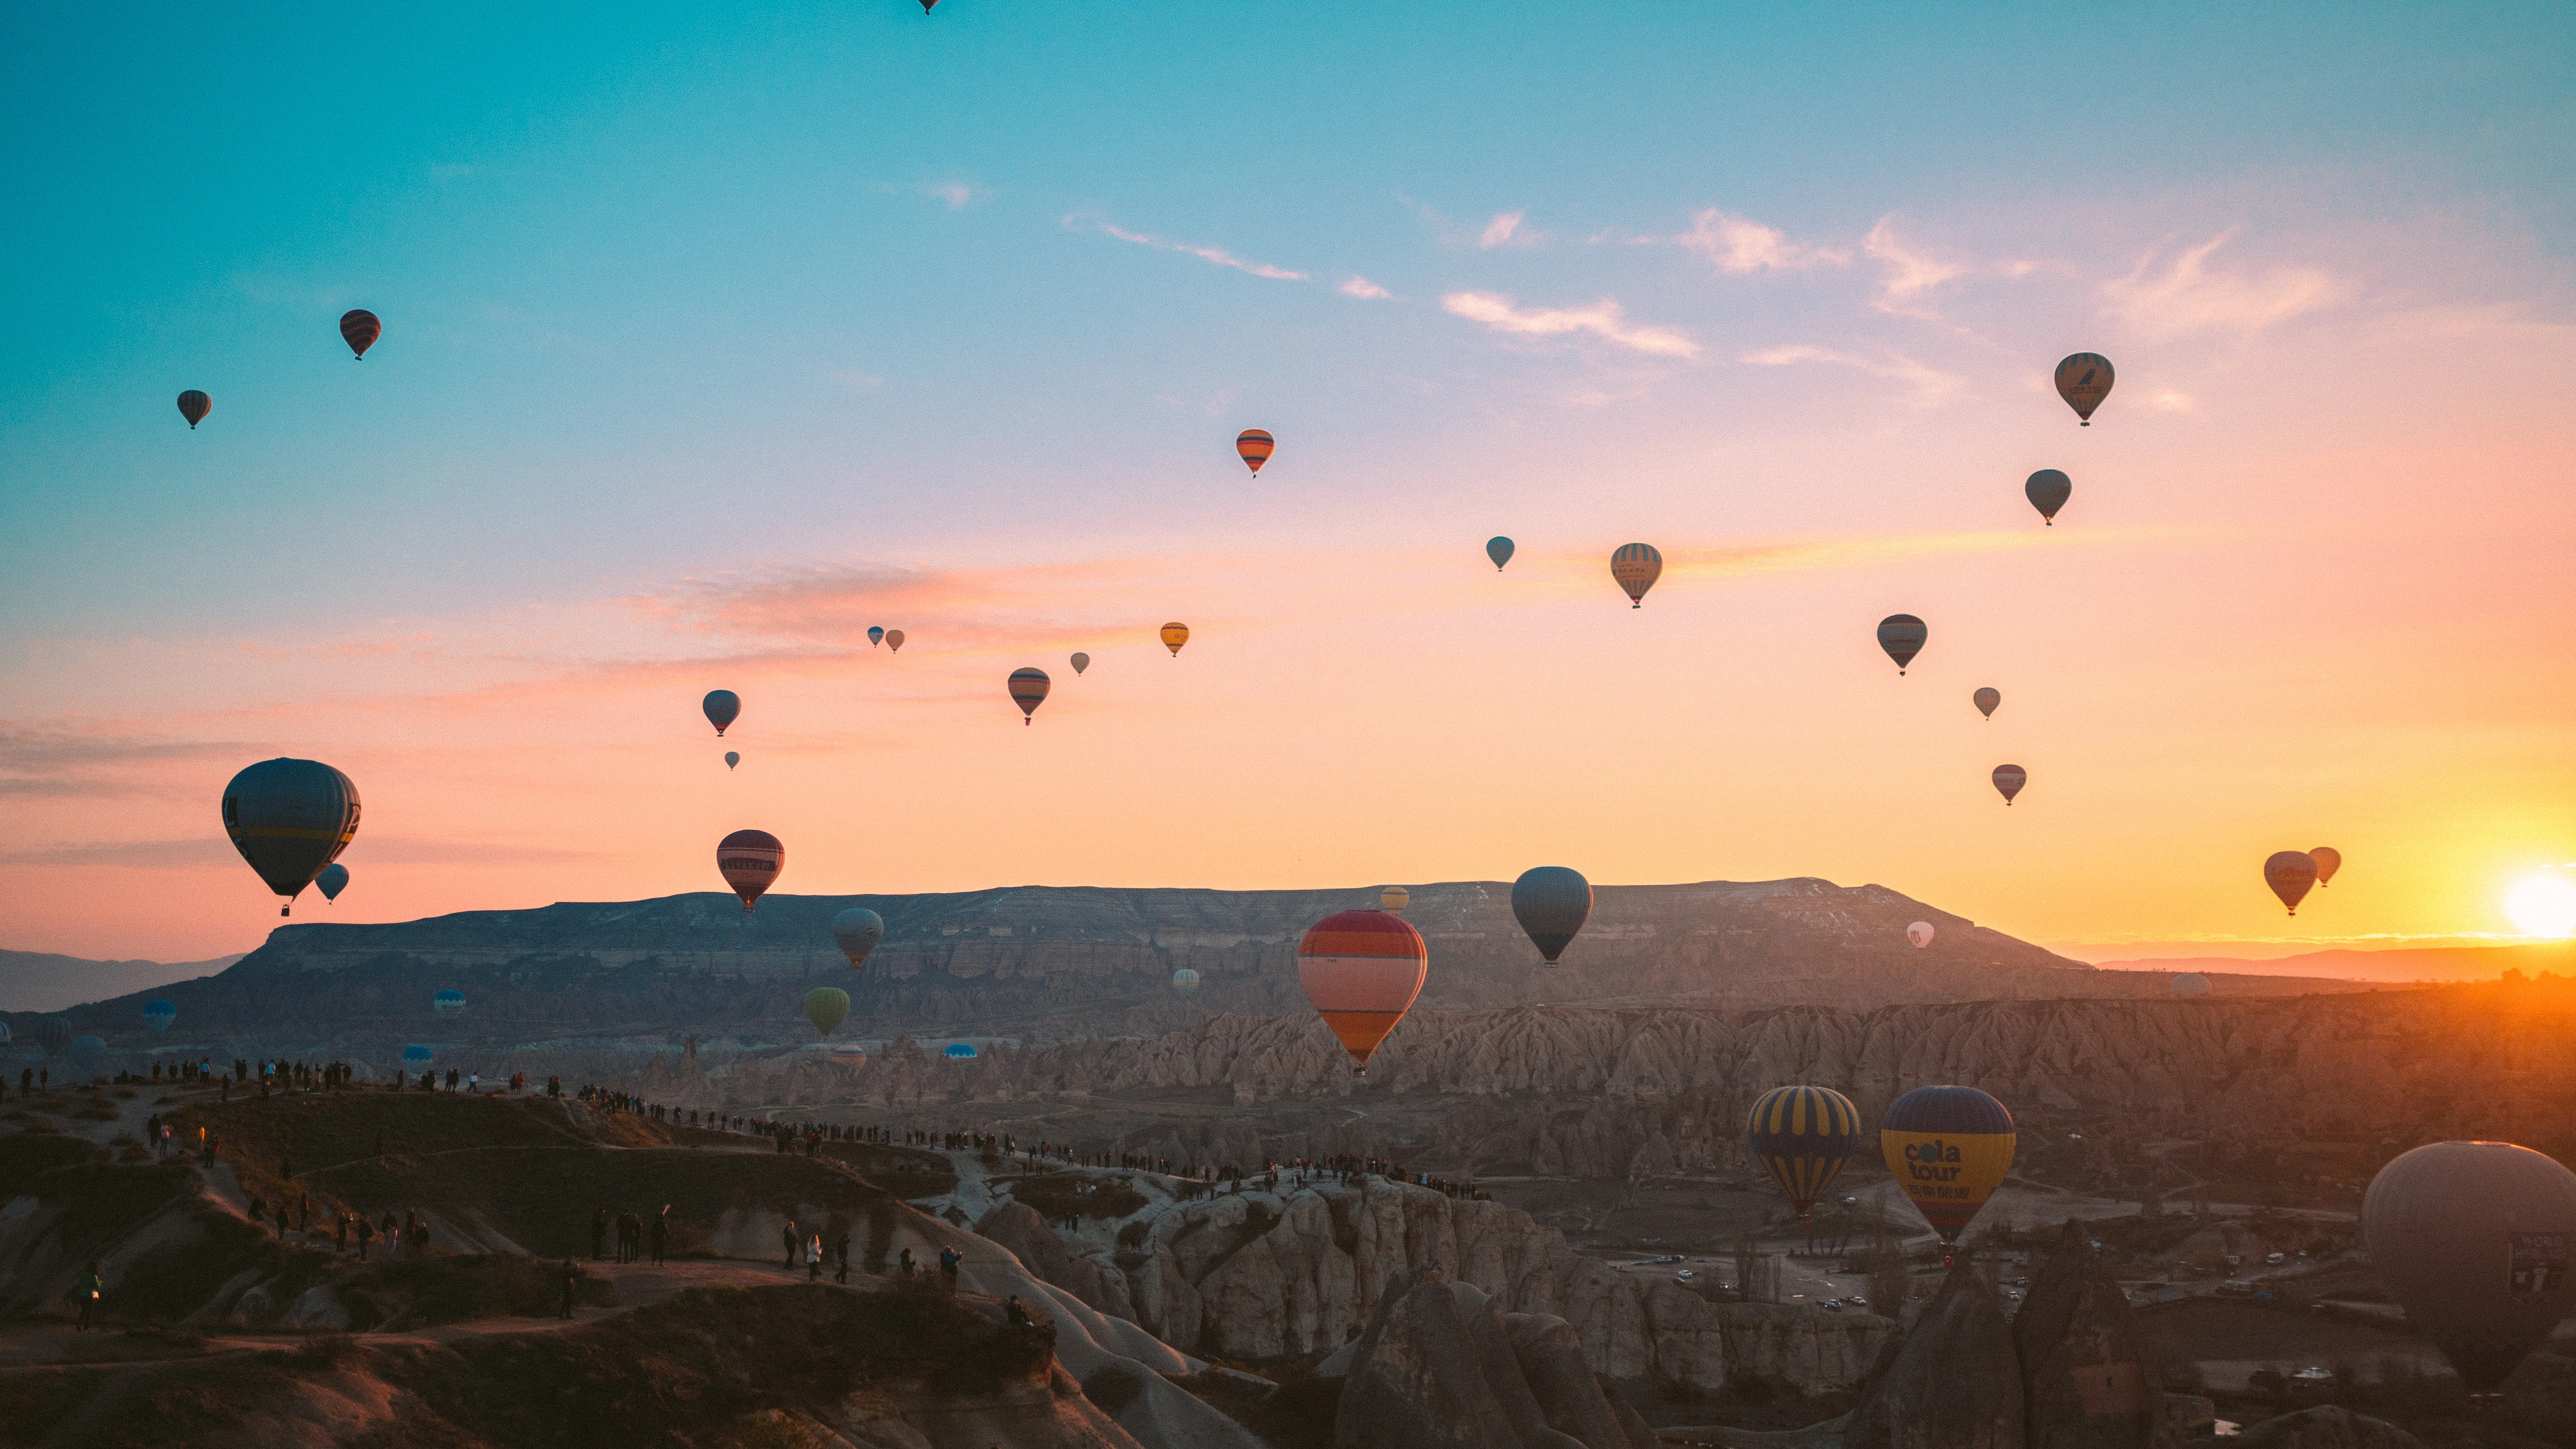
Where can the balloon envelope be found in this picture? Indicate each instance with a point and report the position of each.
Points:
(958, 1051)
(1551, 902)
(1362, 970)
(1029, 690)
(1803, 1136)
(2478, 1241)
(732, 758)
(53, 1034)
(1185, 981)
(723, 707)
(360, 329)
(2290, 873)
(1986, 699)
(1902, 636)
(290, 818)
(2048, 491)
(2084, 380)
(1394, 899)
(876, 635)
(1254, 447)
(2190, 983)
(857, 931)
(331, 879)
(194, 405)
(1920, 933)
(1499, 549)
(448, 1003)
(827, 1007)
(1636, 566)
(2009, 779)
(894, 640)
(158, 1014)
(2329, 860)
(1081, 662)
(1175, 634)
(1949, 1148)
(417, 1055)
(750, 861)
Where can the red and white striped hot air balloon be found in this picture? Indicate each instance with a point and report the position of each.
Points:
(1254, 447)
(750, 861)
(1362, 970)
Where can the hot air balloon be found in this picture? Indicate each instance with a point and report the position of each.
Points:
(1949, 1148)
(1254, 447)
(723, 707)
(331, 879)
(1394, 899)
(417, 1056)
(1803, 1136)
(2478, 1241)
(1175, 634)
(1185, 981)
(857, 931)
(1362, 970)
(958, 1051)
(290, 818)
(1551, 902)
(1986, 699)
(2084, 380)
(926, 4)
(750, 861)
(732, 758)
(1902, 636)
(53, 1034)
(2289, 873)
(1920, 933)
(2009, 779)
(4, 1033)
(1636, 566)
(1028, 691)
(849, 1054)
(2190, 983)
(2329, 860)
(450, 1002)
(85, 1054)
(194, 405)
(1081, 662)
(1499, 549)
(360, 329)
(876, 635)
(827, 1007)
(2048, 491)
(159, 1013)
(894, 640)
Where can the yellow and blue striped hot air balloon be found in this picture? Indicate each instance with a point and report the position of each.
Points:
(1636, 566)
(1949, 1148)
(1803, 1135)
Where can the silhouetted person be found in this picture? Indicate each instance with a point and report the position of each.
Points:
(571, 1275)
(661, 1235)
(599, 1235)
(1012, 1310)
(366, 1232)
(787, 1236)
(948, 1261)
(905, 1266)
(841, 1250)
(85, 1290)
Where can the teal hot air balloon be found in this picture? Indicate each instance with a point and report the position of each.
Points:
(159, 1013)
(1185, 981)
(876, 635)
(1499, 549)
(1803, 1136)
(827, 1007)
(417, 1056)
(2048, 491)
(53, 1035)
(958, 1051)
(722, 707)
(331, 880)
(290, 818)
(1902, 636)
(1551, 902)
(857, 931)
(4, 1033)
(450, 1002)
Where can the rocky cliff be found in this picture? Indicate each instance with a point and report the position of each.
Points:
(1442, 1367)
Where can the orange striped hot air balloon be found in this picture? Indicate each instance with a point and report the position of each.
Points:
(750, 861)
(1362, 970)
(1175, 634)
(1028, 691)
(360, 329)
(1254, 447)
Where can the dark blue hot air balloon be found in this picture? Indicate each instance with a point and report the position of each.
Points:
(449, 1002)
(1499, 549)
(290, 818)
(1551, 902)
(958, 1051)
(159, 1013)
(417, 1055)
(723, 707)
(53, 1034)
(331, 880)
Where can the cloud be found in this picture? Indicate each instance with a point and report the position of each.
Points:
(1739, 245)
(1505, 231)
(1604, 319)
(1909, 275)
(2186, 296)
(89, 761)
(1363, 287)
(956, 192)
(1932, 387)
(2172, 400)
(1218, 255)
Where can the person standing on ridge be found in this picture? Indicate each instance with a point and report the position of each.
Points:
(787, 1235)
(599, 1235)
(86, 1289)
(841, 1250)
(814, 1259)
(948, 1264)
(571, 1275)
(661, 1233)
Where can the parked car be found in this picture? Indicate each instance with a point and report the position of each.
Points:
(1859, 1302)
(1835, 1304)
(1683, 1273)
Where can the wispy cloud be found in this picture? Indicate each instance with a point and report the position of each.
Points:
(956, 193)
(1604, 319)
(1219, 255)
(1362, 287)
(2186, 295)
(1740, 245)
(1505, 231)
(1931, 387)
(1910, 276)
(88, 760)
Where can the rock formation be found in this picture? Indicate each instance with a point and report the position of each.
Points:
(1441, 1367)
(2327, 1426)
(1952, 1382)
(2090, 1379)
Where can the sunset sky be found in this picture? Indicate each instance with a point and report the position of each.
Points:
(714, 336)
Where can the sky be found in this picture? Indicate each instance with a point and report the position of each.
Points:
(715, 335)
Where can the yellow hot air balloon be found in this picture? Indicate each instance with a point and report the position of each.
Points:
(1949, 1148)
(1175, 635)
(1394, 899)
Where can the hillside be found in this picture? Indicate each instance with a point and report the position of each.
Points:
(43, 981)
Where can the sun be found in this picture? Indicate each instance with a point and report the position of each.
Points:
(2542, 905)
